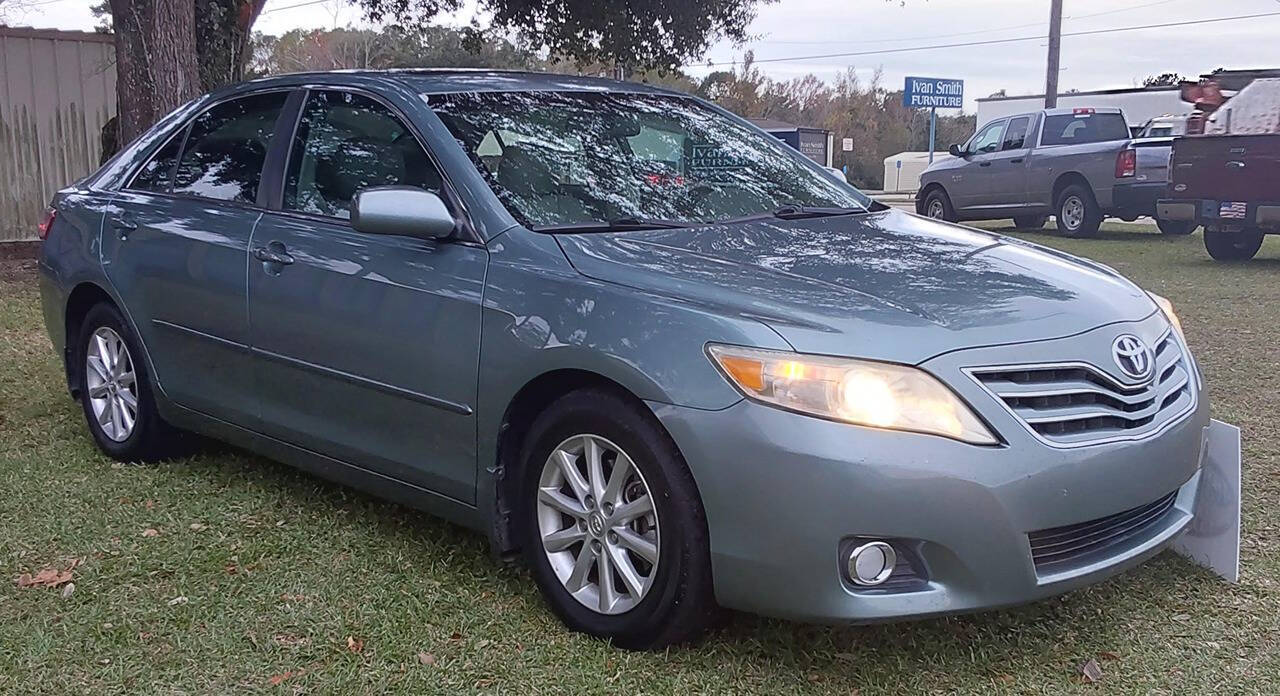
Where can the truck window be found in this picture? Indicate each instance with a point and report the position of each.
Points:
(1079, 129)
(1015, 136)
(987, 140)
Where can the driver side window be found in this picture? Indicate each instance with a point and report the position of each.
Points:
(347, 142)
(987, 140)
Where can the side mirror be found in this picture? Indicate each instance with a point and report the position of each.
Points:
(401, 210)
(955, 151)
(838, 174)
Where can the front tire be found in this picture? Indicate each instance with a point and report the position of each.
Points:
(1225, 245)
(1176, 228)
(116, 392)
(1078, 215)
(616, 535)
(1030, 222)
(937, 205)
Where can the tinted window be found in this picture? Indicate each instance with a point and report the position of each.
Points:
(226, 149)
(155, 175)
(1015, 136)
(558, 158)
(347, 142)
(987, 139)
(1077, 129)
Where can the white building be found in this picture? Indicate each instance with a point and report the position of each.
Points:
(1140, 104)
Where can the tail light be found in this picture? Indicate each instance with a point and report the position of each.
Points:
(46, 224)
(1126, 163)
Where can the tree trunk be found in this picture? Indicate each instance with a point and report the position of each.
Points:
(156, 65)
(223, 32)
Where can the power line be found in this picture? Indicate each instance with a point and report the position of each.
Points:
(291, 7)
(989, 42)
(966, 33)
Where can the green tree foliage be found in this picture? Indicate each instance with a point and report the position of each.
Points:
(392, 47)
(1169, 79)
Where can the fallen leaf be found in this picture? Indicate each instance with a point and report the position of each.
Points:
(150, 532)
(1181, 617)
(150, 504)
(815, 678)
(46, 577)
(1091, 671)
(67, 589)
(177, 600)
(197, 527)
(455, 636)
(278, 679)
(1108, 655)
(1006, 678)
(355, 645)
(484, 644)
(288, 640)
(231, 569)
(426, 658)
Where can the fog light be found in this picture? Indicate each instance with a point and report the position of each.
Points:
(871, 563)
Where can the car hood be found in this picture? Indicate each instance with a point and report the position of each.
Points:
(885, 285)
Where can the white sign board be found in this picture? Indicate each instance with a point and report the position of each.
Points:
(846, 144)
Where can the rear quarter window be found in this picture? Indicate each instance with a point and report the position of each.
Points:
(1080, 129)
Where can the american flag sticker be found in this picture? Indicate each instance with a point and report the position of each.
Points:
(1235, 210)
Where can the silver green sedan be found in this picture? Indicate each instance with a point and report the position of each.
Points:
(622, 332)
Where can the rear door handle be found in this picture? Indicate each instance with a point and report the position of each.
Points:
(123, 226)
(1016, 160)
(984, 164)
(276, 256)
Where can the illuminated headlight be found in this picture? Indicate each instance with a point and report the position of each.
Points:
(1167, 308)
(862, 392)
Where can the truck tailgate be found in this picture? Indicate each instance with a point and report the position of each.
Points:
(1227, 167)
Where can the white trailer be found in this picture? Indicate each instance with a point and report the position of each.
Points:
(1138, 104)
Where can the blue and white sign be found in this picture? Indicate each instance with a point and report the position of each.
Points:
(933, 92)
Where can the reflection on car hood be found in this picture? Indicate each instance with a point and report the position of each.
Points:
(887, 285)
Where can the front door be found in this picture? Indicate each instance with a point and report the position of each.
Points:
(971, 185)
(175, 245)
(1009, 167)
(366, 347)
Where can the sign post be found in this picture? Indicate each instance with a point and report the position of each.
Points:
(933, 93)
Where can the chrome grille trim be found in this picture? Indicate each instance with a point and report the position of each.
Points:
(1077, 404)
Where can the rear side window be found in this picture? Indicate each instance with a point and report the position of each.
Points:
(1079, 129)
(1015, 136)
(227, 147)
(347, 142)
(156, 174)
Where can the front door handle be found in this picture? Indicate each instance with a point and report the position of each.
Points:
(273, 254)
(1016, 160)
(984, 164)
(124, 226)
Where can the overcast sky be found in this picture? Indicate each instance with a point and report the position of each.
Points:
(790, 28)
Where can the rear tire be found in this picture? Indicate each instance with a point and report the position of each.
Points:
(667, 601)
(1030, 222)
(1225, 245)
(937, 205)
(116, 392)
(1176, 228)
(1078, 215)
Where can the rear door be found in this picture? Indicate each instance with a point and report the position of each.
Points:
(971, 184)
(175, 244)
(367, 346)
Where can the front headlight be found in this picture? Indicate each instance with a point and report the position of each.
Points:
(876, 394)
(1167, 308)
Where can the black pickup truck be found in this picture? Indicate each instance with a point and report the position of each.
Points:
(1231, 185)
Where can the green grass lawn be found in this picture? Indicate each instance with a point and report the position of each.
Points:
(257, 576)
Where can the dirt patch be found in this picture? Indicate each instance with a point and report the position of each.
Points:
(18, 271)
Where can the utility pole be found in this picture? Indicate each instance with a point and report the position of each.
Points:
(1055, 51)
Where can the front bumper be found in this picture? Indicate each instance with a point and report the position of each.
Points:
(783, 492)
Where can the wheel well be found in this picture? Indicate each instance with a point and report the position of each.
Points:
(1066, 180)
(532, 399)
(82, 298)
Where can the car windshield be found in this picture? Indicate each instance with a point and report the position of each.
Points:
(559, 159)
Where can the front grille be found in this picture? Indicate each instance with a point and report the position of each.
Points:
(1060, 548)
(1078, 404)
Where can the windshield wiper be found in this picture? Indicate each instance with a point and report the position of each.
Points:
(616, 225)
(799, 212)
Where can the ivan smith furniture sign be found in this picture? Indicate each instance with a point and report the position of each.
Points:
(933, 93)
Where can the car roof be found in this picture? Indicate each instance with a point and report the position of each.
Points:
(446, 80)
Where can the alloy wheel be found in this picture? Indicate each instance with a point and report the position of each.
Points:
(598, 524)
(111, 384)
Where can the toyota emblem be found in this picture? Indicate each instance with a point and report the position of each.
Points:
(1132, 356)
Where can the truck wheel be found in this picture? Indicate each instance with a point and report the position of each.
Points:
(1232, 245)
(1030, 222)
(937, 205)
(1176, 228)
(1078, 215)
